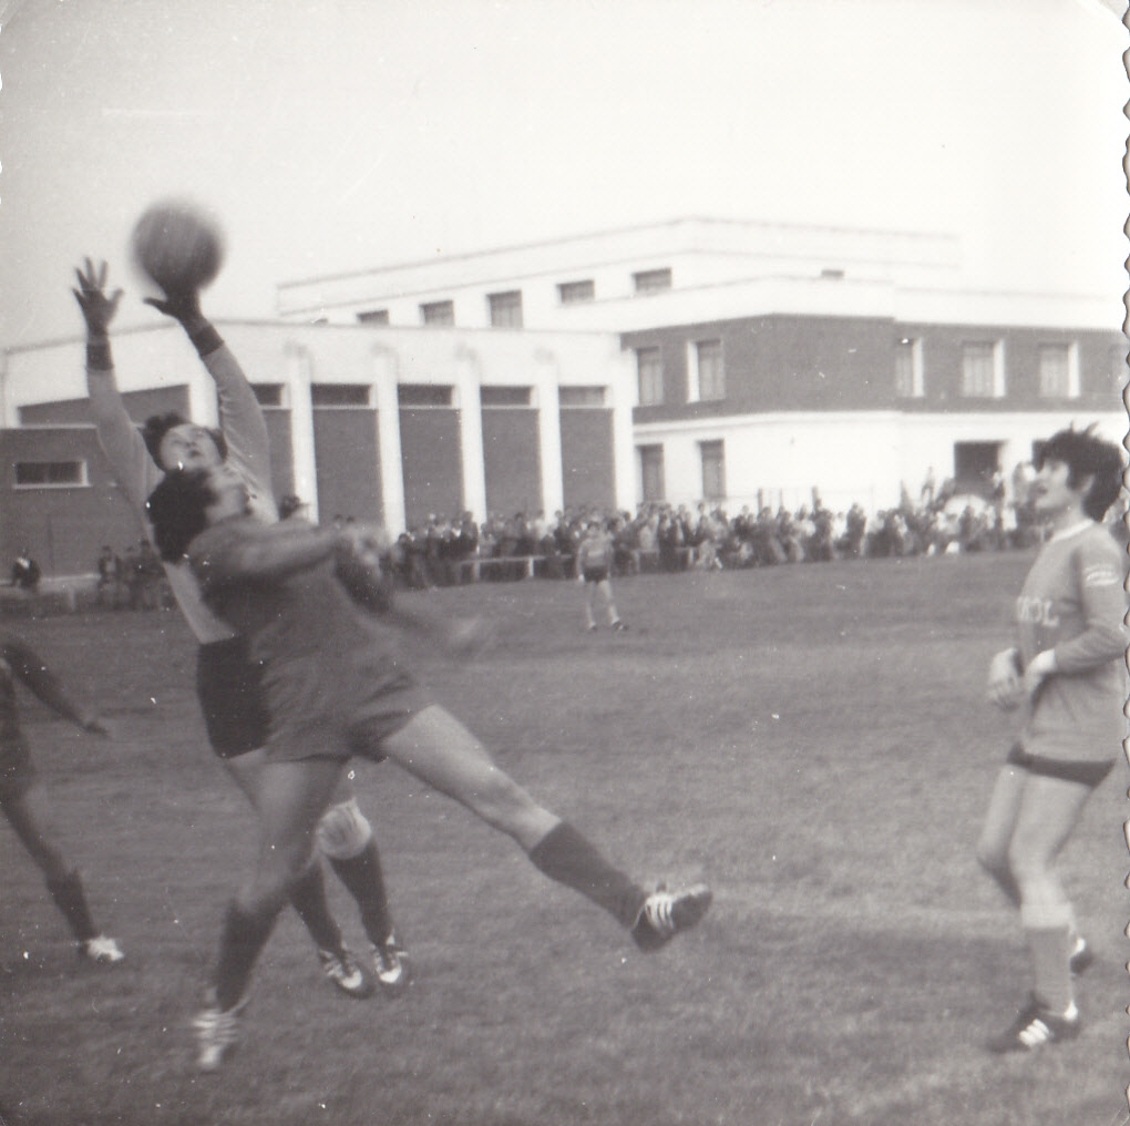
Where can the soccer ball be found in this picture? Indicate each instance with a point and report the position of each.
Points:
(177, 245)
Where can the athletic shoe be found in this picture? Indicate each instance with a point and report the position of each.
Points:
(105, 951)
(664, 914)
(592, 628)
(1036, 1026)
(619, 626)
(1082, 956)
(390, 964)
(217, 1034)
(343, 970)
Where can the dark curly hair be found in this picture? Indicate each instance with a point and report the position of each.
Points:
(177, 510)
(1087, 455)
(158, 425)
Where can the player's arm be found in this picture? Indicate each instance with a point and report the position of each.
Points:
(1006, 685)
(27, 665)
(224, 554)
(122, 444)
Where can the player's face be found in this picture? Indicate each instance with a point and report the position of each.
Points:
(1051, 494)
(229, 493)
(189, 446)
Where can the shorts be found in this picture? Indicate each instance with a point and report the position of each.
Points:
(17, 773)
(1086, 773)
(229, 686)
(595, 574)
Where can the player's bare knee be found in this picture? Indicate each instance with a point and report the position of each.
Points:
(344, 831)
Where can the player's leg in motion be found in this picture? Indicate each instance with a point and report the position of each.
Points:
(439, 750)
(28, 816)
(605, 586)
(292, 797)
(590, 605)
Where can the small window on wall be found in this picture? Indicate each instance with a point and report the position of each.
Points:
(339, 394)
(438, 313)
(373, 317)
(1059, 371)
(576, 293)
(982, 370)
(651, 473)
(909, 380)
(425, 395)
(582, 396)
(268, 394)
(649, 369)
(50, 474)
(505, 396)
(506, 309)
(708, 374)
(652, 281)
(713, 470)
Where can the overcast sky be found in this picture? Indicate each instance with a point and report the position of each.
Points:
(335, 135)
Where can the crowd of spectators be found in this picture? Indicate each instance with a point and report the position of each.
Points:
(133, 580)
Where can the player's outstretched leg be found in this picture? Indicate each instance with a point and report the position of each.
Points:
(308, 897)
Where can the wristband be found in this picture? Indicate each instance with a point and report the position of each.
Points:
(205, 339)
(98, 354)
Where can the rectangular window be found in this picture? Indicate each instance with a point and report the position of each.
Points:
(438, 313)
(339, 394)
(909, 380)
(269, 394)
(713, 470)
(649, 368)
(652, 281)
(373, 317)
(50, 474)
(707, 374)
(505, 396)
(982, 370)
(575, 293)
(506, 309)
(651, 473)
(1059, 371)
(424, 395)
(582, 396)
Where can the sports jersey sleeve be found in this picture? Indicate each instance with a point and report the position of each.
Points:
(1099, 575)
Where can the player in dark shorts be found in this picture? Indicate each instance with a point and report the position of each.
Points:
(228, 691)
(333, 668)
(595, 554)
(1067, 675)
(22, 796)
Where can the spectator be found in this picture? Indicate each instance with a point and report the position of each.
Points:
(25, 572)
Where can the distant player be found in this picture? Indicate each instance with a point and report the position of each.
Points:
(337, 674)
(595, 554)
(1067, 673)
(228, 683)
(22, 796)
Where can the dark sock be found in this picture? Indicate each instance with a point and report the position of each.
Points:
(363, 876)
(243, 937)
(566, 856)
(308, 897)
(69, 897)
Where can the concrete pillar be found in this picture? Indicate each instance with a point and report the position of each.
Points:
(298, 366)
(386, 376)
(548, 378)
(468, 378)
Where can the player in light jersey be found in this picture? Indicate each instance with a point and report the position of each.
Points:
(1067, 674)
(22, 798)
(336, 670)
(594, 569)
(227, 681)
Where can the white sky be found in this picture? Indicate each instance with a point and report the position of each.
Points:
(335, 135)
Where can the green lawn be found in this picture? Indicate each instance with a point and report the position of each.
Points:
(810, 739)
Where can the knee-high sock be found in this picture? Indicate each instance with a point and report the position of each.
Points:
(566, 856)
(244, 935)
(1050, 949)
(363, 876)
(308, 897)
(70, 898)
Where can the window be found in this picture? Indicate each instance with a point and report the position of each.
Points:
(707, 374)
(505, 396)
(982, 370)
(339, 394)
(651, 473)
(373, 317)
(713, 470)
(506, 309)
(438, 313)
(652, 281)
(50, 474)
(424, 395)
(574, 293)
(832, 273)
(909, 380)
(582, 396)
(268, 394)
(649, 367)
(1059, 371)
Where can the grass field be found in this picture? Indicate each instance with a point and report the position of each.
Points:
(810, 739)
